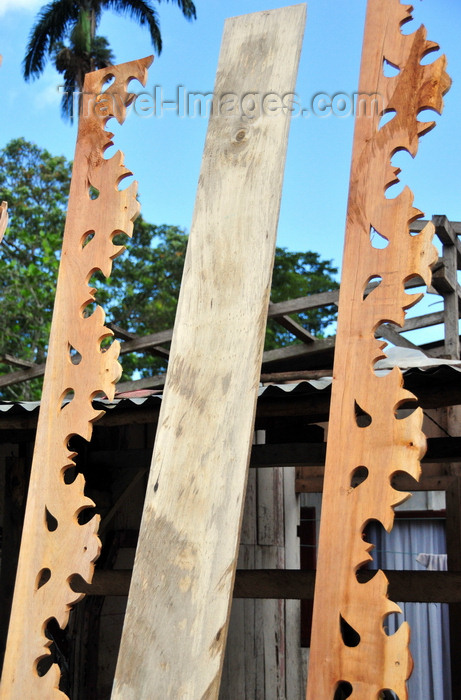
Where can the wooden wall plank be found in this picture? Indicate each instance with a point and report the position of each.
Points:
(177, 616)
(54, 545)
(270, 506)
(356, 651)
(293, 656)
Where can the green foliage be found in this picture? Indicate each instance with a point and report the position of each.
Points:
(84, 54)
(36, 185)
(298, 275)
(141, 295)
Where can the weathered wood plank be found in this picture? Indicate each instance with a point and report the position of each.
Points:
(343, 606)
(55, 545)
(294, 666)
(182, 581)
(16, 361)
(241, 660)
(270, 506)
(451, 303)
(270, 629)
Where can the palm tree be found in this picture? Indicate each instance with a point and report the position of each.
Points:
(76, 21)
(83, 55)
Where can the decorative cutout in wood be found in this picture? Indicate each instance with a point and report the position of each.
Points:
(3, 218)
(350, 651)
(55, 546)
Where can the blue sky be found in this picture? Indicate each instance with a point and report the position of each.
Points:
(164, 152)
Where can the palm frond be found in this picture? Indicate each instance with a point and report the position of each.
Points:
(101, 53)
(143, 12)
(69, 97)
(65, 30)
(51, 27)
(187, 7)
(74, 63)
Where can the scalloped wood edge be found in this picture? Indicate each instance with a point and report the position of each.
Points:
(3, 219)
(349, 645)
(54, 546)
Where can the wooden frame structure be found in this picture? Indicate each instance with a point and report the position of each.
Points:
(277, 362)
(335, 648)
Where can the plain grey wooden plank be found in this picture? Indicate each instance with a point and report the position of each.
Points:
(270, 506)
(293, 658)
(177, 616)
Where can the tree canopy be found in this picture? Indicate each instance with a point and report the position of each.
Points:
(141, 295)
(76, 22)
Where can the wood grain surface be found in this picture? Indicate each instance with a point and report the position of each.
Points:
(177, 617)
(350, 650)
(55, 546)
(3, 218)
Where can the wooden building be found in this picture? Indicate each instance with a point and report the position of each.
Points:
(268, 637)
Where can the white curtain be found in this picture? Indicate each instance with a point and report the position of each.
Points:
(407, 546)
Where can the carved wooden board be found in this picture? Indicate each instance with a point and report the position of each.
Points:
(349, 648)
(177, 616)
(3, 218)
(54, 545)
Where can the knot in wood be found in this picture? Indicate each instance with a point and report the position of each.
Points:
(240, 135)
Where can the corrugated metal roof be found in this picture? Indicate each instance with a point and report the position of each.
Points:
(303, 388)
(412, 362)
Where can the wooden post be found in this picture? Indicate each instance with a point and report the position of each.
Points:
(177, 617)
(450, 287)
(55, 546)
(449, 290)
(350, 653)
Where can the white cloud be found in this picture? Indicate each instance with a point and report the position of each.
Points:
(49, 95)
(11, 5)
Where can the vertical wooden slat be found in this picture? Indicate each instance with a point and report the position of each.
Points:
(350, 651)
(177, 617)
(294, 675)
(447, 235)
(55, 546)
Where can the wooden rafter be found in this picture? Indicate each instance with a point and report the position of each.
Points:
(350, 651)
(55, 546)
